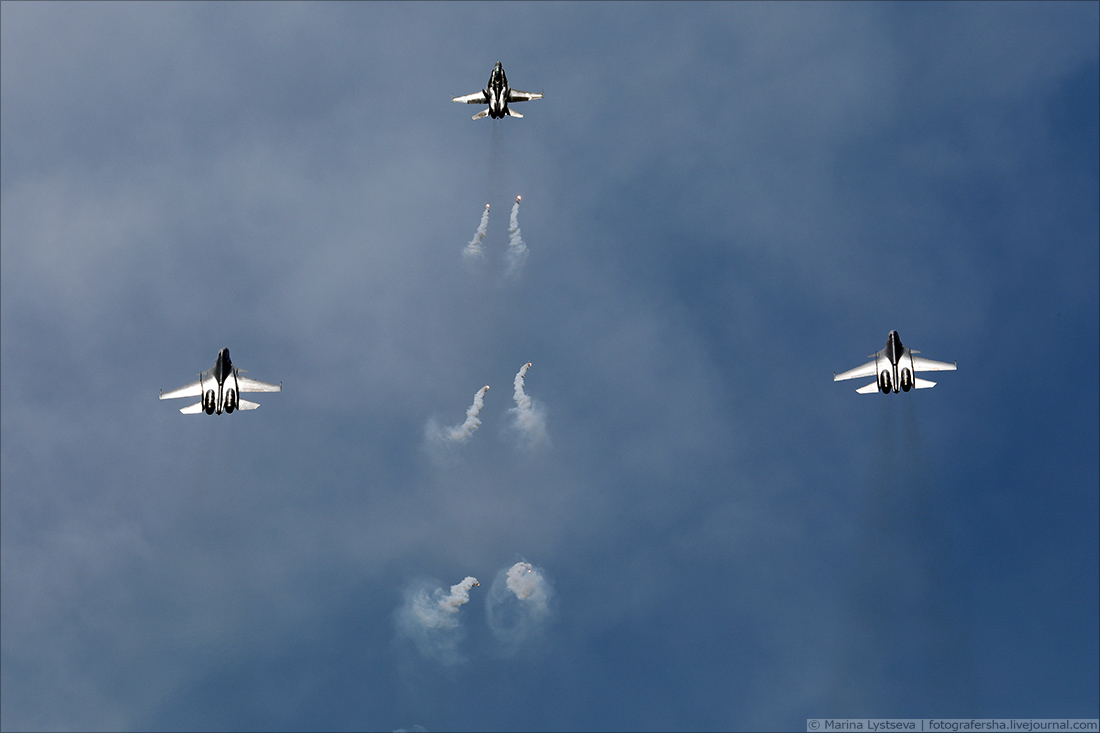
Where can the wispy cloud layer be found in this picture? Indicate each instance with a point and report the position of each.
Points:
(292, 181)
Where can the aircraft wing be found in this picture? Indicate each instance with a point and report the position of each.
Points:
(920, 364)
(475, 98)
(244, 384)
(870, 369)
(515, 95)
(188, 390)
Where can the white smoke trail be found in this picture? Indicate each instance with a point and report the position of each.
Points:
(463, 432)
(528, 418)
(430, 618)
(473, 250)
(518, 605)
(459, 595)
(517, 250)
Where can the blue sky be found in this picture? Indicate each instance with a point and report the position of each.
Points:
(723, 205)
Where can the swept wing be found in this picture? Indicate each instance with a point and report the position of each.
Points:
(475, 98)
(515, 95)
(246, 384)
(188, 390)
(867, 370)
(920, 364)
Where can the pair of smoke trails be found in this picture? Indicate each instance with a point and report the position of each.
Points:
(517, 605)
(527, 417)
(517, 249)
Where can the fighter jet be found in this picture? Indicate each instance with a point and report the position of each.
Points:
(220, 388)
(497, 95)
(894, 368)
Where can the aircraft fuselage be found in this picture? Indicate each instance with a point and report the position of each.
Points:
(497, 92)
(894, 365)
(219, 386)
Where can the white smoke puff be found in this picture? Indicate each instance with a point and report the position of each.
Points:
(449, 603)
(461, 433)
(528, 418)
(473, 250)
(429, 617)
(517, 250)
(518, 605)
(525, 582)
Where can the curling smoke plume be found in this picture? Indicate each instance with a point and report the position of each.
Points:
(518, 605)
(524, 580)
(473, 250)
(430, 618)
(463, 432)
(527, 417)
(441, 613)
(517, 250)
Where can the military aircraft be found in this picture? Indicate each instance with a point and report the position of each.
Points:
(497, 94)
(894, 369)
(220, 388)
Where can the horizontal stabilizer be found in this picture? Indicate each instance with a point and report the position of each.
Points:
(869, 389)
(246, 405)
(194, 409)
(919, 383)
(513, 113)
(482, 113)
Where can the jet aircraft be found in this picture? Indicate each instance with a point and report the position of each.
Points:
(220, 388)
(894, 369)
(497, 94)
